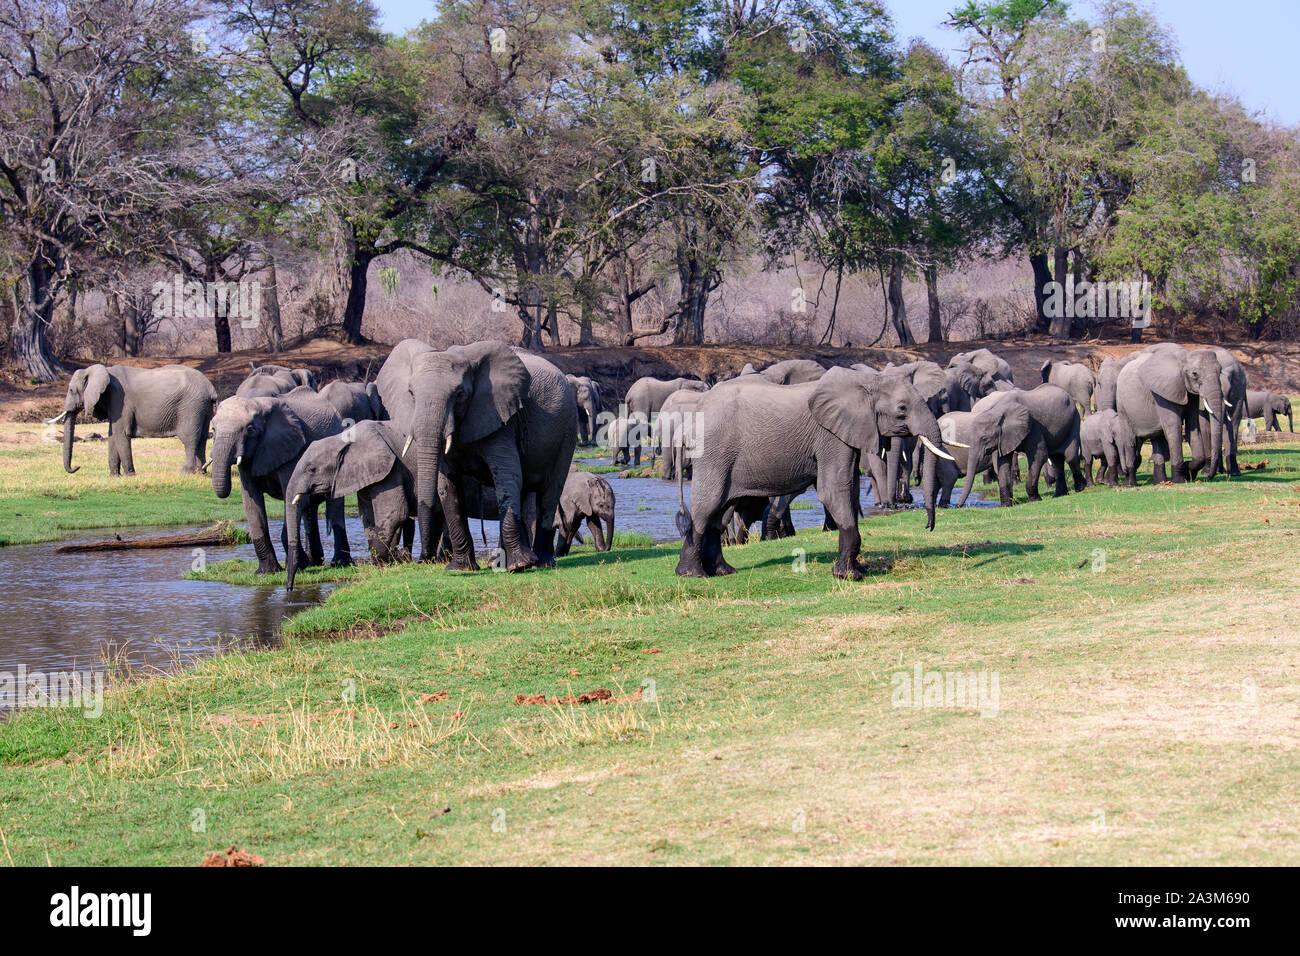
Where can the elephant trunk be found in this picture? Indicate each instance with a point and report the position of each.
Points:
(294, 503)
(970, 478)
(429, 438)
(1289, 423)
(1215, 402)
(223, 453)
(893, 462)
(69, 417)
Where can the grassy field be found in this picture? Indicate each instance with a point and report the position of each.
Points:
(1143, 647)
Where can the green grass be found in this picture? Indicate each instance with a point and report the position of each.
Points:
(1144, 642)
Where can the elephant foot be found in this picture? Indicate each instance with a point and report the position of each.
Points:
(689, 566)
(271, 568)
(341, 561)
(848, 570)
(546, 562)
(462, 563)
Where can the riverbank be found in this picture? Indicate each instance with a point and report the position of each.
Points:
(1140, 705)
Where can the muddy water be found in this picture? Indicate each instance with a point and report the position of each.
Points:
(72, 612)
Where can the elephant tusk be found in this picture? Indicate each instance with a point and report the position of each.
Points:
(295, 499)
(1206, 405)
(1227, 404)
(955, 444)
(930, 445)
(409, 439)
(238, 459)
(57, 418)
(446, 448)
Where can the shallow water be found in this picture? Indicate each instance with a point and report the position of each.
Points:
(71, 612)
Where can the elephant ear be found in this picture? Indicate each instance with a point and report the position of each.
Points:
(748, 369)
(929, 379)
(363, 463)
(283, 439)
(1015, 427)
(97, 382)
(376, 402)
(500, 381)
(1164, 376)
(844, 403)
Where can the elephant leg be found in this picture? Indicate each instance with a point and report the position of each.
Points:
(114, 455)
(546, 501)
(597, 533)
(1036, 461)
(708, 511)
(374, 541)
(454, 530)
(502, 457)
(335, 515)
(259, 529)
(875, 466)
(1173, 436)
(1058, 466)
(893, 462)
(1159, 461)
(1006, 478)
(315, 555)
(128, 463)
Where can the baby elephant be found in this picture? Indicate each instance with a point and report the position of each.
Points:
(1269, 405)
(585, 496)
(364, 460)
(1108, 435)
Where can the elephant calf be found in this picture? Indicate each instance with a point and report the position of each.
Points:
(354, 401)
(1108, 435)
(590, 497)
(1269, 405)
(365, 461)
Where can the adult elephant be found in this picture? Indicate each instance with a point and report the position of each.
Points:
(264, 438)
(366, 461)
(1042, 423)
(1232, 381)
(1160, 391)
(1075, 378)
(901, 458)
(174, 401)
(644, 400)
(268, 381)
(1107, 379)
(354, 401)
(504, 417)
(1268, 406)
(793, 372)
(994, 366)
(587, 392)
(677, 429)
(768, 440)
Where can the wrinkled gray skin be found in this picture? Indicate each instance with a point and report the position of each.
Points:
(173, 401)
(589, 498)
(1042, 423)
(587, 392)
(354, 401)
(268, 381)
(504, 417)
(1161, 390)
(768, 440)
(676, 428)
(394, 386)
(901, 459)
(967, 383)
(998, 369)
(1268, 406)
(793, 372)
(1107, 436)
(264, 438)
(1107, 377)
(363, 460)
(644, 400)
(1232, 381)
(1076, 379)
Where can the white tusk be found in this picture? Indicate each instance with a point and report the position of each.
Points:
(1227, 404)
(1206, 406)
(57, 418)
(955, 444)
(409, 439)
(295, 499)
(930, 445)
(238, 459)
(446, 449)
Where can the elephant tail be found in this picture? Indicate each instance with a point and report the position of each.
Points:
(482, 534)
(683, 518)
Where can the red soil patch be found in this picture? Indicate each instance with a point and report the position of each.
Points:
(232, 857)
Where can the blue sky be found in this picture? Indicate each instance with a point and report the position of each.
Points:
(1248, 47)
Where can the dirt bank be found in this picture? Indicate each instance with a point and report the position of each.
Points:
(1270, 365)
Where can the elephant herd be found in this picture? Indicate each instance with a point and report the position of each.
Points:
(489, 431)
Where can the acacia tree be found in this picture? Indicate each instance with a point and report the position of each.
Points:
(91, 142)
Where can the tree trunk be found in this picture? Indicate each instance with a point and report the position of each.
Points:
(274, 332)
(355, 309)
(586, 334)
(1080, 324)
(692, 301)
(934, 331)
(623, 320)
(29, 344)
(132, 327)
(1042, 276)
(897, 307)
(1059, 327)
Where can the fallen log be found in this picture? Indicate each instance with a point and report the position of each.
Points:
(222, 533)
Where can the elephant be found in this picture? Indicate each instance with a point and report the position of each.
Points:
(364, 460)
(1232, 382)
(1160, 390)
(504, 417)
(173, 401)
(268, 381)
(995, 367)
(793, 371)
(1041, 422)
(1107, 435)
(928, 379)
(587, 391)
(586, 497)
(641, 407)
(1269, 405)
(677, 430)
(264, 438)
(767, 440)
(1107, 377)
(354, 401)
(1075, 378)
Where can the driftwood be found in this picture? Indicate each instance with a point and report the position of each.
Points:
(223, 532)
